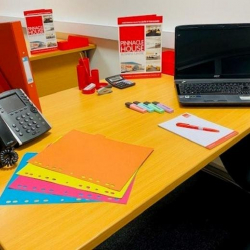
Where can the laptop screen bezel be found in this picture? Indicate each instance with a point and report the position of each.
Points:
(199, 27)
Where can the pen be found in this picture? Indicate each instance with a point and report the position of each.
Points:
(166, 108)
(186, 125)
(144, 106)
(154, 107)
(135, 107)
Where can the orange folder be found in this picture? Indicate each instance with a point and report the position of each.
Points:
(92, 158)
(14, 60)
(4, 85)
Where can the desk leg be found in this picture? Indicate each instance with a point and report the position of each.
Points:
(236, 161)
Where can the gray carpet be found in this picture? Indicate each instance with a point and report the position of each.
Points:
(204, 213)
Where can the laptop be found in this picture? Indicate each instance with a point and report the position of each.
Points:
(212, 64)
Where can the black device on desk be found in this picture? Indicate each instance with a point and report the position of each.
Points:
(119, 82)
(212, 64)
(20, 122)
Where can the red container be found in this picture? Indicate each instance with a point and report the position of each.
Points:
(73, 42)
(63, 45)
(95, 77)
(82, 77)
(168, 62)
(77, 41)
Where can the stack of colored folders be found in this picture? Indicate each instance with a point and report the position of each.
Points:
(78, 167)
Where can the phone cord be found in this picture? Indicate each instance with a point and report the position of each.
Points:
(8, 157)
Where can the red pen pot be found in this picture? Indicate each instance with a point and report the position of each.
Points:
(85, 62)
(81, 77)
(95, 77)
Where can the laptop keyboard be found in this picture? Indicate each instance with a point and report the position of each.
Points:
(239, 88)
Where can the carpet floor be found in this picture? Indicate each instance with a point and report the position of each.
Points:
(204, 213)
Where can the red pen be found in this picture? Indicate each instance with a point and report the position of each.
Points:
(186, 125)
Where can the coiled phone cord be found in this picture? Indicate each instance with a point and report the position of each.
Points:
(8, 157)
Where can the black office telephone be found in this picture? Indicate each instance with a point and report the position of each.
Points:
(20, 122)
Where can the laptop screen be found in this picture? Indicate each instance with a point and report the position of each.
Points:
(212, 51)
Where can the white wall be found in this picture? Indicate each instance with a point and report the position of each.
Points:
(98, 19)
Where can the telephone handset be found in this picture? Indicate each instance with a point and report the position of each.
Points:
(20, 122)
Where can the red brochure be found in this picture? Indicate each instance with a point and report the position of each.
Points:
(140, 46)
(40, 30)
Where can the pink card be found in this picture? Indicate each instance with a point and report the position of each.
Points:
(35, 185)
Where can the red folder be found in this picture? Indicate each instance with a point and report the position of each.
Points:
(14, 60)
(4, 85)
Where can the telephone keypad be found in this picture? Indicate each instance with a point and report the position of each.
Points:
(28, 123)
(22, 117)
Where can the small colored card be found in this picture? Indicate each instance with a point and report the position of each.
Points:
(35, 185)
(18, 197)
(33, 171)
(198, 130)
(92, 158)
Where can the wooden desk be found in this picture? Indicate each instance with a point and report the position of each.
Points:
(175, 159)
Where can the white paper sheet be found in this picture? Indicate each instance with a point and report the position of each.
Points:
(204, 138)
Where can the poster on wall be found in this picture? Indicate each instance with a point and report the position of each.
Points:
(40, 30)
(140, 46)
